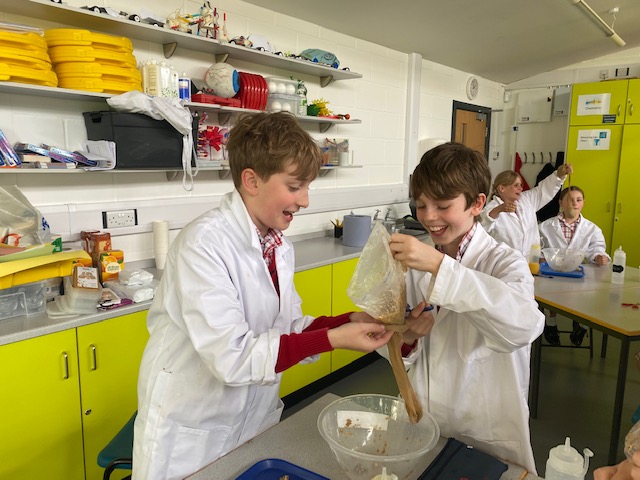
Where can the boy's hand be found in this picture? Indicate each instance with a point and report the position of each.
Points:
(420, 323)
(601, 260)
(362, 337)
(564, 170)
(412, 253)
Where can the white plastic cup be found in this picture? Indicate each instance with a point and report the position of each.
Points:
(160, 242)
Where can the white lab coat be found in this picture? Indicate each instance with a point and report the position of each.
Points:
(471, 372)
(588, 237)
(207, 379)
(520, 230)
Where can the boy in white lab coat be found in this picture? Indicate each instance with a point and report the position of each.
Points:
(569, 229)
(470, 362)
(226, 320)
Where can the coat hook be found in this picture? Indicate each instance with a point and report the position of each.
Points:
(525, 157)
(550, 157)
(541, 158)
(533, 154)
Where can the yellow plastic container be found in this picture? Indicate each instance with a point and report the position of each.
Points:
(33, 76)
(117, 87)
(27, 41)
(80, 83)
(90, 54)
(24, 55)
(35, 269)
(57, 37)
(97, 70)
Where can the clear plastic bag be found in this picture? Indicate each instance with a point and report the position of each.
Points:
(21, 224)
(378, 284)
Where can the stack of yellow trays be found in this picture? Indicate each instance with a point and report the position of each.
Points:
(24, 59)
(91, 61)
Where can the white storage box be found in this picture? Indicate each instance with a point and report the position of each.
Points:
(80, 299)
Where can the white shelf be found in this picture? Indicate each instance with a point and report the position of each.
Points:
(87, 19)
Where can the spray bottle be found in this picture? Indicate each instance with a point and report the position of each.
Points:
(618, 265)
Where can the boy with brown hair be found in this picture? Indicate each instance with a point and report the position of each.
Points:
(470, 360)
(226, 320)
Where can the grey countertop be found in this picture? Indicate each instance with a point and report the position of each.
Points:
(310, 253)
(297, 440)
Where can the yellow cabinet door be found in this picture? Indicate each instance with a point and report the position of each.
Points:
(633, 102)
(341, 303)
(314, 288)
(596, 172)
(593, 97)
(627, 213)
(40, 408)
(109, 354)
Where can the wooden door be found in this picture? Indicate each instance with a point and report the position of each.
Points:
(471, 126)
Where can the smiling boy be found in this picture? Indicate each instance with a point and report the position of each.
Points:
(226, 319)
(471, 369)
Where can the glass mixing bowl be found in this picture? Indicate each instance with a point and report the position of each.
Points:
(368, 432)
(563, 259)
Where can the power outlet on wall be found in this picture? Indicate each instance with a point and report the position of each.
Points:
(120, 218)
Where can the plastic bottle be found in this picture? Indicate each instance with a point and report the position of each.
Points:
(302, 99)
(618, 265)
(534, 259)
(152, 78)
(184, 87)
(565, 463)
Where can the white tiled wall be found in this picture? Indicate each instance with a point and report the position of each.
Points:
(75, 201)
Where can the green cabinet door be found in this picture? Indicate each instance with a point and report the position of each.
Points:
(109, 354)
(627, 214)
(341, 303)
(596, 173)
(40, 408)
(587, 97)
(314, 288)
(633, 102)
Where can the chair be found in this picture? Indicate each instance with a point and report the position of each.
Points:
(119, 451)
(589, 347)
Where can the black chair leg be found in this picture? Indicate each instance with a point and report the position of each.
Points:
(113, 465)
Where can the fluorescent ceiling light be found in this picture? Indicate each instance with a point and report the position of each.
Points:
(610, 32)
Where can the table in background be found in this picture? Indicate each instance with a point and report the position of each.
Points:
(596, 302)
(297, 440)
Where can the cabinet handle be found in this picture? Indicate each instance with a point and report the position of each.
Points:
(620, 207)
(94, 358)
(631, 109)
(619, 108)
(608, 206)
(65, 365)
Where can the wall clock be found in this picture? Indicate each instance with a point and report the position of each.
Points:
(472, 88)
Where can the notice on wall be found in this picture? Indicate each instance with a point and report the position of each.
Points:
(593, 139)
(594, 104)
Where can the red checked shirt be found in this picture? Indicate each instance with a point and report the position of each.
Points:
(269, 243)
(464, 243)
(568, 229)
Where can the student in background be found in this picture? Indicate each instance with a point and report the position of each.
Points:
(226, 320)
(470, 355)
(569, 229)
(510, 215)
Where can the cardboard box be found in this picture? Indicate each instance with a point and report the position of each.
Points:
(111, 264)
(86, 277)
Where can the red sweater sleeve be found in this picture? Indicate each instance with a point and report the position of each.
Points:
(312, 340)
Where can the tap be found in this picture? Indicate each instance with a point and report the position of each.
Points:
(375, 217)
(386, 215)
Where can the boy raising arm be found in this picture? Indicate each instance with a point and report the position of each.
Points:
(226, 319)
(471, 370)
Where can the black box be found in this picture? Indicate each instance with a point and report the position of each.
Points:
(141, 141)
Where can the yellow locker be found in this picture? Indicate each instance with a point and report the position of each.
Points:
(40, 405)
(594, 97)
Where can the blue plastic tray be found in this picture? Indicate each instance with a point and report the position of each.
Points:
(274, 469)
(545, 269)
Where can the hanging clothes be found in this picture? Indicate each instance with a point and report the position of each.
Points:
(525, 185)
(552, 208)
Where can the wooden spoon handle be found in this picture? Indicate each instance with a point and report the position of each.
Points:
(414, 408)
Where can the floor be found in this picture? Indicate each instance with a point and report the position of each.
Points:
(576, 396)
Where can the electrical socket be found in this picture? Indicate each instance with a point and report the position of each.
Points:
(120, 218)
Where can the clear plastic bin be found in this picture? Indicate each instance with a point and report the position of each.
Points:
(28, 299)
